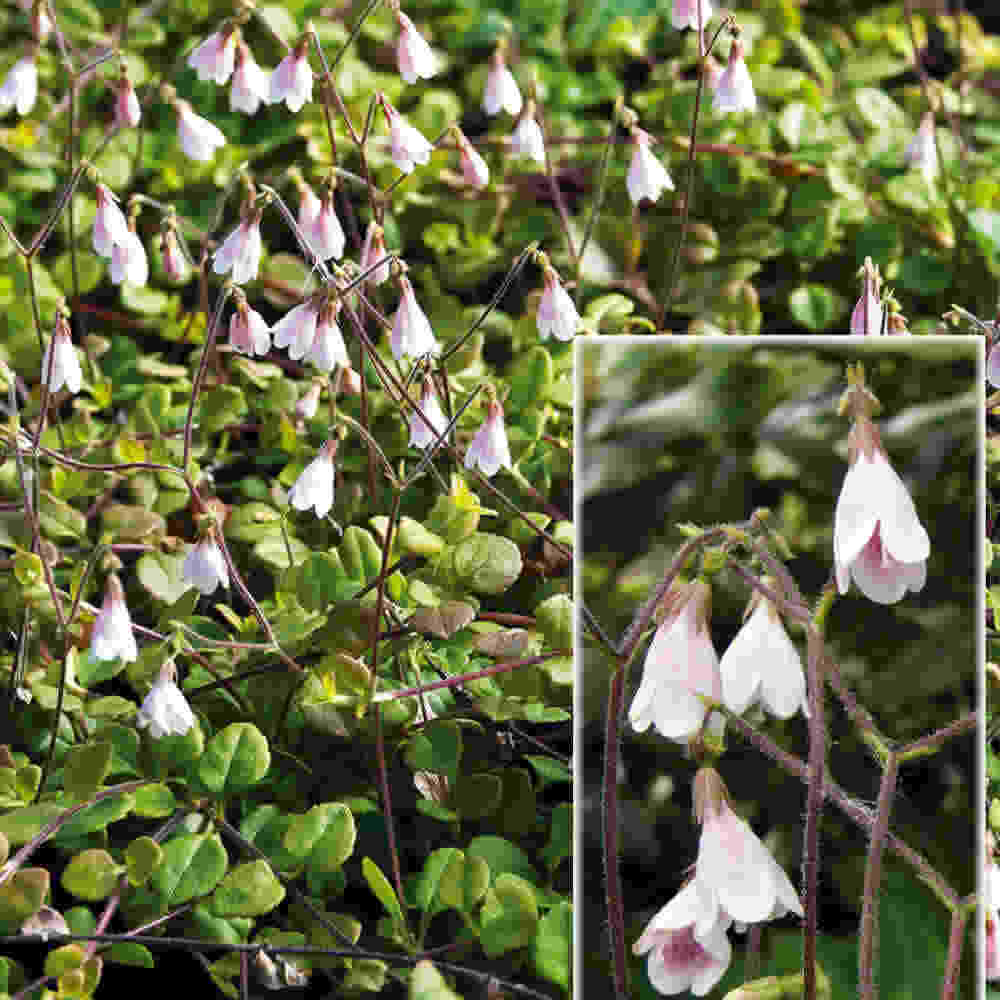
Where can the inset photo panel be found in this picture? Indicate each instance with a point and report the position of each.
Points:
(780, 654)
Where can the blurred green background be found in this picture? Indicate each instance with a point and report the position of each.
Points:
(706, 433)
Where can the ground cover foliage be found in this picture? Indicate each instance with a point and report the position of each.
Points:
(706, 434)
(374, 795)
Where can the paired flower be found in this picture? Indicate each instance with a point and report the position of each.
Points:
(761, 664)
(319, 223)
(198, 137)
(241, 250)
(60, 365)
(165, 710)
(409, 147)
(128, 259)
(922, 150)
(411, 329)
(489, 449)
(111, 637)
(314, 487)
(527, 139)
(110, 226)
(681, 665)
(646, 177)
(213, 58)
(426, 429)
(866, 318)
(292, 78)
(878, 540)
(413, 54)
(557, 315)
(328, 349)
(248, 332)
(205, 566)
(734, 90)
(251, 85)
(502, 91)
(296, 330)
(20, 87)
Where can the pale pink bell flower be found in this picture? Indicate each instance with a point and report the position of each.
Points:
(296, 330)
(60, 365)
(110, 226)
(489, 450)
(557, 316)
(127, 110)
(128, 260)
(292, 79)
(422, 436)
(502, 91)
(527, 139)
(314, 487)
(734, 90)
(733, 867)
(685, 14)
(878, 540)
(250, 85)
(646, 177)
(372, 252)
(248, 332)
(241, 251)
(328, 348)
(205, 566)
(922, 150)
(412, 335)
(409, 147)
(413, 55)
(866, 319)
(762, 665)
(324, 233)
(20, 87)
(111, 637)
(213, 58)
(165, 710)
(681, 665)
(475, 172)
(688, 949)
(174, 261)
(198, 137)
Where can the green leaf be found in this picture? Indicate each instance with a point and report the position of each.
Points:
(925, 272)
(555, 620)
(130, 953)
(192, 866)
(86, 768)
(477, 795)
(382, 890)
(530, 380)
(20, 825)
(509, 917)
(816, 307)
(249, 890)
(324, 837)
(95, 817)
(160, 574)
(487, 564)
(225, 404)
(92, 875)
(553, 947)
(502, 856)
(154, 801)
(234, 760)
(142, 857)
(21, 896)
(560, 845)
(436, 747)
(418, 540)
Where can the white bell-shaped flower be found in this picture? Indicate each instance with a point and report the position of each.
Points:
(866, 319)
(292, 79)
(314, 487)
(646, 177)
(241, 251)
(248, 332)
(685, 14)
(296, 330)
(372, 252)
(165, 710)
(213, 58)
(111, 637)
(734, 90)
(557, 316)
(325, 233)
(922, 150)
(527, 139)
(413, 55)
(128, 113)
(762, 665)
(328, 348)
(878, 540)
(408, 145)
(251, 85)
(128, 260)
(502, 91)
(20, 87)
(422, 435)
(110, 225)
(60, 365)
(205, 566)
(198, 137)
(412, 335)
(681, 665)
(475, 171)
(489, 449)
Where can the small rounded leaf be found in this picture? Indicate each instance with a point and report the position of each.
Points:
(249, 890)
(92, 875)
(142, 858)
(86, 767)
(487, 564)
(323, 837)
(192, 866)
(235, 759)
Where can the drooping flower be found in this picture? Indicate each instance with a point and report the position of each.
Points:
(127, 110)
(761, 664)
(686, 950)
(241, 251)
(413, 55)
(488, 450)
(308, 402)
(324, 232)
(198, 137)
(502, 91)
(681, 665)
(734, 868)
(212, 59)
(734, 91)
(328, 348)
(475, 172)
(878, 540)
(41, 20)
(60, 365)
(292, 79)
(110, 226)
(646, 177)
(412, 335)
(296, 329)
(128, 260)
(174, 261)
(251, 85)
(20, 87)
(248, 332)
(372, 252)
(866, 318)
(422, 435)
(111, 637)
(409, 147)
(922, 150)
(165, 710)
(527, 139)
(314, 487)
(557, 315)
(685, 14)
(205, 566)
